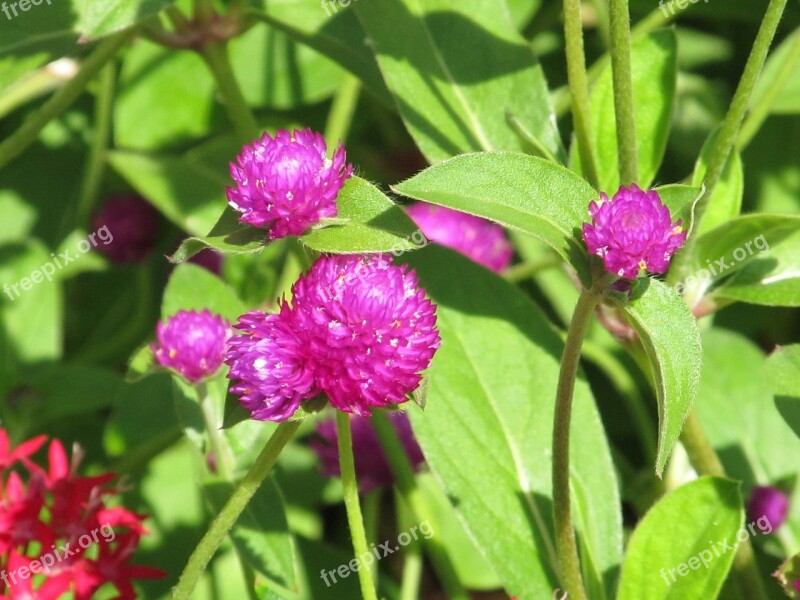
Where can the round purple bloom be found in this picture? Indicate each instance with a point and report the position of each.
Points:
(368, 328)
(192, 343)
(770, 503)
(130, 225)
(287, 183)
(482, 241)
(271, 372)
(372, 468)
(632, 231)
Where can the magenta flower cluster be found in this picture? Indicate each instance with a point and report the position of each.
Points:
(482, 241)
(192, 343)
(359, 330)
(770, 503)
(285, 184)
(372, 468)
(632, 231)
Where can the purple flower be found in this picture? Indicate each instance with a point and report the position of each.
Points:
(269, 367)
(632, 231)
(131, 225)
(372, 468)
(770, 503)
(192, 343)
(481, 240)
(368, 328)
(287, 183)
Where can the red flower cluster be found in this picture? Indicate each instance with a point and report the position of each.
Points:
(57, 536)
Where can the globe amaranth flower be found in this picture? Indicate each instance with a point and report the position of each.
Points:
(287, 183)
(269, 366)
(359, 329)
(127, 228)
(632, 231)
(369, 328)
(58, 525)
(193, 343)
(770, 503)
(482, 241)
(372, 468)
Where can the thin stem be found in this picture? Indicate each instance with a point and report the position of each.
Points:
(412, 495)
(216, 56)
(227, 517)
(38, 83)
(623, 91)
(216, 443)
(96, 161)
(579, 89)
(343, 107)
(412, 554)
(705, 461)
(351, 502)
(26, 135)
(760, 112)
(733, 120)
(523, 271)
(566, 545)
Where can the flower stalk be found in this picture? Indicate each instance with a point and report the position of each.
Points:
(623, 91)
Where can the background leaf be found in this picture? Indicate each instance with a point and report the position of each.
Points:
(689, 521)
(486, 430)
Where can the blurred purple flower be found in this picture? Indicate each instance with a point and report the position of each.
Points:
(482, 241)
(632, 231)
(372, 468)
(192, 343)
(133, 226)
(209, 259)
(768, 502)
(287, 183)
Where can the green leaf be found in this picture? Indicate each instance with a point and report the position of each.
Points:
(487, 427)
(454, 78)
(191, 287)
(681, 201)
(373, 224)
(726, 201)
(187, 193)
(783, 369)
(654, 73)
(786, 55)
(771, 278)
(228, 236)
(261, 534)
(30, 317)
(516, 190)
(671, 340)
(748, 241)
(678, 550)
(61, 390)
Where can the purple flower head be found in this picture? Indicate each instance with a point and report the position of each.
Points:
(130, 225)
(192, 343)
(769, 503)
(481, 240)
(269, 367)
(632, 231)
(287, 183)
(372, 468)
(368, 327)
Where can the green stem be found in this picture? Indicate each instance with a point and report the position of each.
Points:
(96, 161)
(733, 120)
(412, 554)
(203, 11)
(343, 107)
(523, 271)
(227, 517)
(579, 89)
(26, 135)
(38, 83)
(705, 461)
(216, 56)
(351, 502)
(566, 545)
(413, 497)
(623, 91)
(760, 112)
(216, 443)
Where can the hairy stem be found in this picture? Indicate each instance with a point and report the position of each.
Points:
(623, 91)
